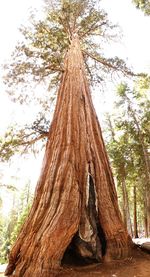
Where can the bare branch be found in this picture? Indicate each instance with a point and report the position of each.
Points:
(32, 141)
(54, 69)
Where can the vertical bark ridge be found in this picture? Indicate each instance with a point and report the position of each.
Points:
(75, 193)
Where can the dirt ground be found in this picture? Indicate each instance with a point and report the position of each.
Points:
(138, 265)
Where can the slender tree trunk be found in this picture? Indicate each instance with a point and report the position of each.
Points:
(148, 211)
(135, 214)
(122, 172)
(145, 215)
(129, 223)
(124, 203)
(126, 210)
(145, 225)
(75, 201)
(28, 194)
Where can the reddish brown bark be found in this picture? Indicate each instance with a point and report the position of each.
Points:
(75, 196)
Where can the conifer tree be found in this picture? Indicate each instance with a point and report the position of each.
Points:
(75, 204)
(38, 60)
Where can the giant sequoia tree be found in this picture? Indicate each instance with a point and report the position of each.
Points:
(39, 59)
(75, 206)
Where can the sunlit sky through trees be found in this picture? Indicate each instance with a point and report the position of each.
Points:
(134, 48)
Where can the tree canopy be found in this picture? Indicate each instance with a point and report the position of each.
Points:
(45, 42)
(144, 5)
(128, 147)
(38, 60)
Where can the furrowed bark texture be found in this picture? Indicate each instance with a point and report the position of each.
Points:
(75, 198)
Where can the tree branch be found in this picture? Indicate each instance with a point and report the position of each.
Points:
(54, 69)
(32, 141)
(108, 64)
(92, 28)
(65, 28)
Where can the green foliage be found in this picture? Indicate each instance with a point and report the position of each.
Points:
(38, 59)
(11, 224)
(19, 223)
(144, 5)
(20, 140)
(129, 132)
(7, 145)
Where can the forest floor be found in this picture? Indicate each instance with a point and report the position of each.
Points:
(138, 265)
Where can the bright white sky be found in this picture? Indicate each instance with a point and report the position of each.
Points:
(135, 27)
(135, 48)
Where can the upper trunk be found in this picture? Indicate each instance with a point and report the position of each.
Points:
(75, 200)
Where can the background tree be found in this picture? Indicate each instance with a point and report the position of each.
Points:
(137, 118)
(11, 223)
(130, 143)
(144, 5)
(119, 153)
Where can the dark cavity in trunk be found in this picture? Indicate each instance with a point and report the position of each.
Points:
(80, 251)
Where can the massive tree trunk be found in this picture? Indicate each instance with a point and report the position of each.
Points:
(75, 202)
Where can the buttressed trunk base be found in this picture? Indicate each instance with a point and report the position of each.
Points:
(75, 206)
